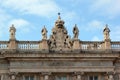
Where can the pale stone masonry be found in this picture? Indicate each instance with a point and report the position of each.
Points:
(60, 57)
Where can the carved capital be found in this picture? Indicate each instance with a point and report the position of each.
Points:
(13, 75)
(46, 75)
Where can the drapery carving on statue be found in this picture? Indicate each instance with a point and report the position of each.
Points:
(68, 42)
(52, 42)
(75, 32)
(44, 33)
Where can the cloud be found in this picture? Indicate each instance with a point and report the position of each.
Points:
(21, 25)
(110, 8)
(44, 8)
(4, 18)
(94, 25)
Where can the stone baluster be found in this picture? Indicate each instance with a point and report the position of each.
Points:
(2, 76)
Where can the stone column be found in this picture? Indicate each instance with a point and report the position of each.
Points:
(46, 75)
(119, 76)
(2, 77)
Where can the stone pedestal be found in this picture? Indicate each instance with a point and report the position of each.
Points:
(107, 45)
(12, 44)
(76, 45)
(44, 46)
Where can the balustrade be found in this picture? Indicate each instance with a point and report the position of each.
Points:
(85, 45)
(115, 45)
(89, 45)
(25, 45)
(3, 44)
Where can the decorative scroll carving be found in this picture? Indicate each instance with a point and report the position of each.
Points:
(60, 40)
(68, 42)
(52, 42)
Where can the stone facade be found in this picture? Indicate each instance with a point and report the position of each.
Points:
(60, 57)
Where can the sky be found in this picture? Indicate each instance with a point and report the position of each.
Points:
(30, 16)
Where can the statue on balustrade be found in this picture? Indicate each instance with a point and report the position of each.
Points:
(75, 32)
(44, 33)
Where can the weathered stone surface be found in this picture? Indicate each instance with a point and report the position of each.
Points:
(59, 57)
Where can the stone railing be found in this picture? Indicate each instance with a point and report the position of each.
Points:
(92, 45)
(38, 45)
(4, 44)
(115, 45)
(27, 45)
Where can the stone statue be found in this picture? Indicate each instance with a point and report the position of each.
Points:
(44, 33)
(12, 32)
(106, 32)
(75, 32)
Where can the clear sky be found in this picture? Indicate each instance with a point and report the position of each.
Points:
(29, 17)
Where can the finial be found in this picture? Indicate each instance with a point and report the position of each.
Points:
(106, 28)
(106, 25)
(75, 25)
(59, 16)
(59, 13)
(12, 25)
(44, 26)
